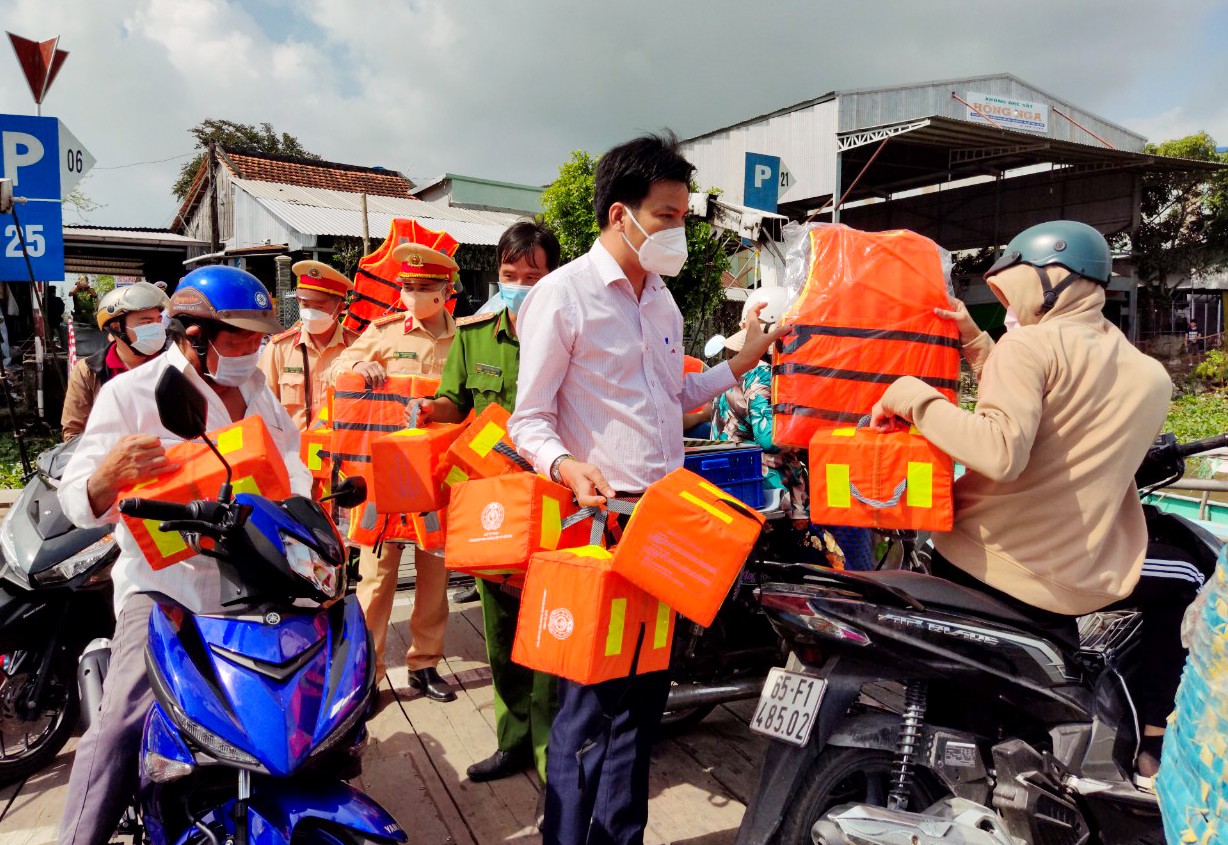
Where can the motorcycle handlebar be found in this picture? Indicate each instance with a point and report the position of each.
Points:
(161, 511)
(1194, 447)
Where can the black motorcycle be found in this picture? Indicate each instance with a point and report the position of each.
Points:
(914, 710)
(55, 598)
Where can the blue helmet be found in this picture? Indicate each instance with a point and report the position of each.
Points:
(228, 295)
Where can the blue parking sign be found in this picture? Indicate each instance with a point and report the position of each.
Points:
(30, 159)
(762, 187)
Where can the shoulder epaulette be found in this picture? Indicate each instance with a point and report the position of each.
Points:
(474, 319)
(349, 334)
(388, 318)
(290, 332)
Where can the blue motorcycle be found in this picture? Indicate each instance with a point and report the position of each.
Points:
(260, 710)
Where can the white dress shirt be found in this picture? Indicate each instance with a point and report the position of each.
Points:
(601, 373)
(126, 405)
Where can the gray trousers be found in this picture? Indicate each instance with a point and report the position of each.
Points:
(104, 770)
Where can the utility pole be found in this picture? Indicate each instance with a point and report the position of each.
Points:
(214, 234)
(366, 232)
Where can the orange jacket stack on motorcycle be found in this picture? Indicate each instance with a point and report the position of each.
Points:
(256, 467)
(474, 454)
(409, 467)
(865, 318)
(582, 621)
(864, 478)
(362, 414)
(376, 289)
(366, 526)
(497, 524)
(686, 542)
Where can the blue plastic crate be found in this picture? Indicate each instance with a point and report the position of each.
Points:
(736, 470)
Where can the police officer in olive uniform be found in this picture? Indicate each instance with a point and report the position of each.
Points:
(482, 368)
(415, 342)
(297, 363)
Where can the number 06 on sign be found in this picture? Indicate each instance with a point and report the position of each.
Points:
(788, 706)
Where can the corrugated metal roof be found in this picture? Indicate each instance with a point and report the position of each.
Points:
(319, 211)
(134, 237)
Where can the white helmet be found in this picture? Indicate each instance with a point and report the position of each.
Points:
(775, 300)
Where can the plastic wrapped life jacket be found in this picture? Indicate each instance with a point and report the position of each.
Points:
(376, 289)
(256, 466)
(581, 621)
(865, 318)
(870, 479)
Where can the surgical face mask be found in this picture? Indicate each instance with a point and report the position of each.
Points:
(235, 370)
(1011, 322)
(513, 295)
(315, 320)
(662, 252)
(423, 305)
(150, 338)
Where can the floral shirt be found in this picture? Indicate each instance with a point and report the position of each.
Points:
(744, 415)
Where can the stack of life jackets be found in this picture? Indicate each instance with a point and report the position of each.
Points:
(864, 319)
(376, 289)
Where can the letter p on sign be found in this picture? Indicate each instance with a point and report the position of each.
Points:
(763, 174)
(20, 149)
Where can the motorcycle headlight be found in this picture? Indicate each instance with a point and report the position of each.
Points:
(70, 568)
(309, 565)
(8, 552)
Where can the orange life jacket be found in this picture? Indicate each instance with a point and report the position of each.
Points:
(408, 467)
(581, 621)
(376, 289)
(865, 318)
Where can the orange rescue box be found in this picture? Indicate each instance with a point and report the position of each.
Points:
(686, 542)
(581, 621)
(256, 467)
(408, 468)
(484, 450)
(497, 524)
(430, 530)
(865, 478)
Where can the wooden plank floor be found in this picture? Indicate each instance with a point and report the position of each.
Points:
(419, 751)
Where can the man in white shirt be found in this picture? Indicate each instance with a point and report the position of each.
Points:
(599, 408)
(223, 315)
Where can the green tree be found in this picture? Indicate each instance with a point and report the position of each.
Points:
(227, 133)
(569, 212)
(1184, 226)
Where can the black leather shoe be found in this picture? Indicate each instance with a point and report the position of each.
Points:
(501, 764)
(466, 595)
(431, 685)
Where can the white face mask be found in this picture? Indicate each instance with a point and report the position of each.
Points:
(662, 252)
(315, 320)
(150, 338)
(1011, 322)
(233, 371)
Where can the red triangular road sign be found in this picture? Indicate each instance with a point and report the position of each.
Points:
(40, 62)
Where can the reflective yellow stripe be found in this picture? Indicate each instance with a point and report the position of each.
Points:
(486, 439)
(230, 441)
(552, 523)
(314, 461)
(168, 542)
(695, 500)
(715, 491)
(592, 551)
(618, 619)
(455, 476)
(660, 638)
(839, 494)
(247, 484)
(844, 432)
(920, 485)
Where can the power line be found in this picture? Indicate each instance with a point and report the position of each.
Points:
(139, 163)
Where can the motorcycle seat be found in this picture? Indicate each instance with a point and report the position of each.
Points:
(936, 592)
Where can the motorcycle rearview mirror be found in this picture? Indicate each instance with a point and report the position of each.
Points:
(350, 493)
(183, 411)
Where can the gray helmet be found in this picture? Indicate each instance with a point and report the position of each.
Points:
(1067, 243)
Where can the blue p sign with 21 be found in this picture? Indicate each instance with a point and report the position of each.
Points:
(29, 158)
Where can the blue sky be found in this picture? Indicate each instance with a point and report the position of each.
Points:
(506, 90)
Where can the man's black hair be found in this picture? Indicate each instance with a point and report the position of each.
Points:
(626, 173)
(522, 239)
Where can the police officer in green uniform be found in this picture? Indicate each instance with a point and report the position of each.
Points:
(482, 367)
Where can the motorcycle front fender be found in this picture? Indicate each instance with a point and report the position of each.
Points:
(277, 808)
(785, 766)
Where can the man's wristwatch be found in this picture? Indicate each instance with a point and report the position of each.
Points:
(555, 476)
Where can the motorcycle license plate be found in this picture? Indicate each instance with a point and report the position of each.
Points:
(788, 706)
